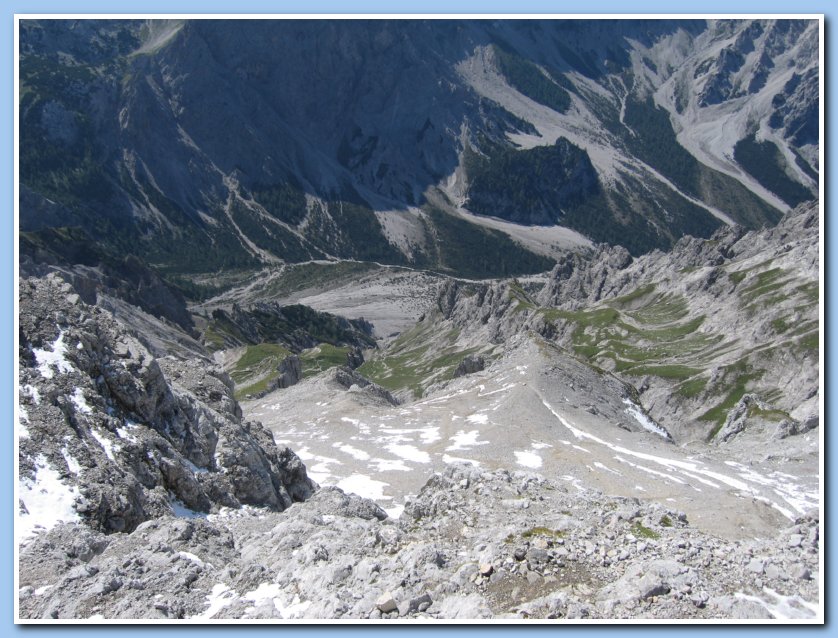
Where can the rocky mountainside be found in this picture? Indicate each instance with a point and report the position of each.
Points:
(112, 436)
(250, 143)
(472, 545)
(694, 330)
(444, 319)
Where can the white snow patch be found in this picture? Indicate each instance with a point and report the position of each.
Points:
(480, 419)
(72, 463)
(21, 430)
(395, 511)
(363, 485)
(195, 559)
(47, 501)
(389, 465)
(537, 445)
(220, 597)
(783, 607)
(32, 391)
(49, 359)
(124, 432)
(80, 402)
(352, 451)
(527, 459)
(606, 468)
(645, 422)
(784, 486)
(464, 440)
(195, 469)
(508, 386)
(42, 590)
(106, 444)
(409, 453)
(182, 511)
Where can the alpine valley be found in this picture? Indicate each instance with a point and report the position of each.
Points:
(419, 319)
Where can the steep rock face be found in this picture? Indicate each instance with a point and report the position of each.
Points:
(117, 437)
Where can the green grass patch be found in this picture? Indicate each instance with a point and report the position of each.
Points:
(638, 293)
(256, 356)
(664, 371)
(641, 531)
(738, 276)
(692, 388)
(542, 531)
(321, 358)
(768, 415)
(735, 379)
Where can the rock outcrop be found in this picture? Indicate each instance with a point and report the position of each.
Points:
(116, 437)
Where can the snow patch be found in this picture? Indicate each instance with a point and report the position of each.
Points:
(47, 501)
(389, 465)
(409, 453)
(480, 419)
(363, 485)
(32, 391)
(395, 511)
(528, 459)
(195, 559)
(72, 463)
(464, 440)
(106, 444)
(54, 358)
(21, 430)
(783, 607)
(352, 451)
(180, 509)
(80, 402)
(645, 422)
(220, 597)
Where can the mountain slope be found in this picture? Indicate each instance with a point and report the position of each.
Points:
(242, 144)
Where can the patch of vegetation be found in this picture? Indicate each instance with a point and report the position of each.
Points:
(780, 325)
(542, 531)
(322, 357)
(810, 342)
(767, 414)
(635, 295)
(471, 251)
(256, 358)
(528, 79)
(284, 200)
(531, 186)
(765, 162)
(665, 521)
(257, 368)
(663, 371)
(641, 531)
(737, 277)
(692, 387)
(734, 379)
(654, 141)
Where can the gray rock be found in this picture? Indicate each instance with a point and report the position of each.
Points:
(290, 371)
(386, 603)
(469, 365)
